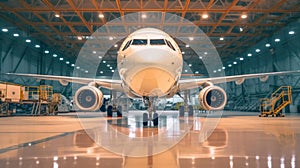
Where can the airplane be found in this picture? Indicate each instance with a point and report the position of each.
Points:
(150, 65)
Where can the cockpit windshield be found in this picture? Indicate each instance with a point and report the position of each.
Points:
(157, 42)
(139, 42)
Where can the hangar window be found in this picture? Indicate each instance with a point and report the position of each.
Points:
(170, 45)
(139, 42)
(157, 42)
(127, 45)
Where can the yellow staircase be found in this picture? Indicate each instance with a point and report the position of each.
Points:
(279, 100)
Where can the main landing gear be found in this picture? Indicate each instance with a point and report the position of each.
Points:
(151, 116)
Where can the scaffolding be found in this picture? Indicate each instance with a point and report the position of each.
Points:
(281, 98)
(31, 100)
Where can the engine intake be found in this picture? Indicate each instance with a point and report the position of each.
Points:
(88, 98)
(212, 98)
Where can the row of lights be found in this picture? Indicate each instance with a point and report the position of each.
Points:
(104, 62)
(46, 51)
(257, 50)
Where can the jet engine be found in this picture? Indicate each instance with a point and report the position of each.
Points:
(212, 98)
(88, 98)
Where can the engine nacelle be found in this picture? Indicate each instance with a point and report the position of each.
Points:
(212, 98)
(88, 98)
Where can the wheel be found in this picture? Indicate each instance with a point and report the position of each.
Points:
(109, 111)
(155, 119)
(145, 119)
(119, 111)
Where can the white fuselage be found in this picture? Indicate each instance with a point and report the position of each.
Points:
(149, 63)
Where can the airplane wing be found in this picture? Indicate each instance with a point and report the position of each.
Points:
(105, 83)
(186, 84)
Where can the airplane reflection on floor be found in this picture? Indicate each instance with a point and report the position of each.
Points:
(236, 142)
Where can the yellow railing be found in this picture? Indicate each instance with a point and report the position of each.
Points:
(279, 100)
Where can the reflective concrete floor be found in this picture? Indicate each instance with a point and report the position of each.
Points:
(240, 140)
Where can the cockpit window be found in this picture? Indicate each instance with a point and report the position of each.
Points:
(157, 42)
(139, 42)
(170, 45)
(126, 45)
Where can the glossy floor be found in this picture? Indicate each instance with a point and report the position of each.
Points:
(240, 140)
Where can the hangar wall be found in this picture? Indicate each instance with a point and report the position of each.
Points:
(17, 56)
(280, 56)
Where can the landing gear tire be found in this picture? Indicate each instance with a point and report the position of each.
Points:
(109, 111)
(155, 120)
(145, 119)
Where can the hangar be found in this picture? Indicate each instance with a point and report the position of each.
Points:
(86, 39)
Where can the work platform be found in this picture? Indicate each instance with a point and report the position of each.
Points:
(239, 140)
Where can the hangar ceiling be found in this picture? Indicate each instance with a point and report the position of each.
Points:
(59, 23)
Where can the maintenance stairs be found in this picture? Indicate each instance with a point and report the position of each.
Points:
(278, 101)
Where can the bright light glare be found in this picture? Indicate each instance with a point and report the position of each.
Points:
(205, 16)
(291, 32)
(244, 16)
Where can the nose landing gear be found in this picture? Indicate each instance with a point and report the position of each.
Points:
(151, 116)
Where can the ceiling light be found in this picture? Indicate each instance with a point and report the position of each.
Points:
(100, 57)
(205, 53)
(101, 15)
(205, 16)
(37, 46)
(200, 57)
(61, 58)
(57, 15)
(257, 50)
(67, 62)
(241, 59)
(277, 40)
(191, 38)
(185, 70)
(190, 65)
(268, 45)
(110, 38)
(241, 29)
(104, 62)
(215, 71)
(144, 16)
(101, 72)
(5, 30)
(116, 45)
(183, 52)
(229, 65)
(46, 52)
(249, 55)
(112, 70)
(28, 40)
(197, 72)
(54, 55)
(72, 65)
(187, 46)
(16, 35)
(219, 70)
(108, 65)
(291, 32)
(223, 67)
(244, 16)
(234, 62)
(221, 38)
(86, 71)
(79, 38)
(78, 67)
(94, 52)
